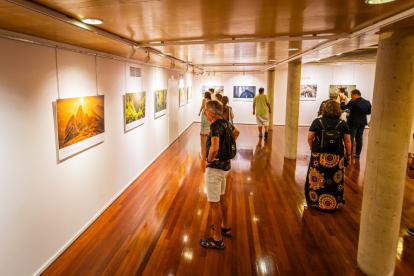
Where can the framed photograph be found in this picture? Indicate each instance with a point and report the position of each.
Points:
(80, 124)
(348, 89)
(181, 92)
(217, 89)
(189, 94)
(308, 92)
(160, 100)
(134, 110)
(244, 93)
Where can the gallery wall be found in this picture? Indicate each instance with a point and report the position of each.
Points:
(323, 76)
(242, 109)
(45, 204)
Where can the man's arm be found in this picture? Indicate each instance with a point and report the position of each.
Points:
(346, 106)
(213, 149)
(369, 109)
(268, 105)
(254, 111)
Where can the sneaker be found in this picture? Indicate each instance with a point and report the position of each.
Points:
(410, 231)
(266, 134)
(356, 156)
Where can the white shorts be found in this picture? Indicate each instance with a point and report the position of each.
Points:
(215, 180)
(262, 120)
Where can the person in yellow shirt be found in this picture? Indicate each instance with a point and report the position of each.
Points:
(261, 107)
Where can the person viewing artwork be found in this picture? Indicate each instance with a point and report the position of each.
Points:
(218, 97)
(205, 125)
(324, 187)
(227, 110)
(261, 107)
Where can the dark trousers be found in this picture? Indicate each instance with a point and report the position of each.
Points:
(356, 133)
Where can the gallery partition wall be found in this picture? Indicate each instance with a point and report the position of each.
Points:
(47, 200)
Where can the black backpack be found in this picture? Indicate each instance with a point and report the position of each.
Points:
(331, 139)
(229, 148)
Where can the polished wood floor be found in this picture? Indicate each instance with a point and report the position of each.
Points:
(154, 227)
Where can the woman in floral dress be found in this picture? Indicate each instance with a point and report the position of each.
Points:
(205, 125)
(324, 188)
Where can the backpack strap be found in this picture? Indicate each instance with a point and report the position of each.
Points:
(323, 127)
(340, 121)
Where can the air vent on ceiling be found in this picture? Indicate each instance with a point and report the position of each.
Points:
(135, 72)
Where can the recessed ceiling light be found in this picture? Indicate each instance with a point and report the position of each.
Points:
(293, 49)
(168, 54)
(92, 21)
(378, 1)
(272, 59)
(317, 59)
(339, 54)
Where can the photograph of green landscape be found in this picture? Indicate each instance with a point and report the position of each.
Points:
(134, 109)
(160, 99)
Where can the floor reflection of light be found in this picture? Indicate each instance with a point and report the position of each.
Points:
(249, 178)
(205, 190)
(199, 212)
(251, 193)
(185, 238)
(263, 268)
(400, 248)
(188, 255)
(256, 219)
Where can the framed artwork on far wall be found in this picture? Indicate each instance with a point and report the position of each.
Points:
(134, 109)
(348, 89)
(160, 100)
(181, 92)
(217, 89)
(244, 93)
(189, 94)
(308, 92)
(80, 124)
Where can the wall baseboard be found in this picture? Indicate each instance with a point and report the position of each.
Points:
(186, 128)
(83, 229)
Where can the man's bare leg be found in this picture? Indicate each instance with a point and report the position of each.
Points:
(260, 130)
(217, 218)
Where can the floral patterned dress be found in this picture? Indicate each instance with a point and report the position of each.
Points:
(205, 125)
(324, 188)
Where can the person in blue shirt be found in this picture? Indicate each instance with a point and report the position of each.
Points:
(359, 109)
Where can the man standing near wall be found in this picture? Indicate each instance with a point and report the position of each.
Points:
(216, 172)
(359, 109)
(261, 107)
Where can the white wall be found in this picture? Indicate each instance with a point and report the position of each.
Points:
(242, 110)
(45, 204)
(324, 75)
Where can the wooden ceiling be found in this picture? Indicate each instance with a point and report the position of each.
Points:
(208, 21)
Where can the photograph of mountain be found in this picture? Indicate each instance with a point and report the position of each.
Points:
(189, 94)
(182, 96)
(79, 119)
(160, 99)
(134, 107)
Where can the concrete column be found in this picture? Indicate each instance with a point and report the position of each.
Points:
(271, 94)
(392, 111)
(292, 110)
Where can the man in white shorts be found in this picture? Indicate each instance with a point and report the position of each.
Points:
(218, 168)
(261, 107)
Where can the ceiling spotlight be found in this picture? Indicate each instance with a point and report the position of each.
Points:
(293, 49)
(193, 71)
(147, 58)
(167, 54)
(339, 54)
(92, 21)
(172, 65)
(272, 60)
(214, 73)
(131, 52)
(378, 1)
(204, 72)
(208, 74)
(186, 68)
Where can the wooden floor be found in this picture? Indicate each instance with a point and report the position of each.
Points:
(155, 226)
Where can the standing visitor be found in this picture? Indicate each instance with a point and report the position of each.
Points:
(205, 125)
(227, 110)
(261, 107)
(357, 120)
(324, 187)
(218, 167)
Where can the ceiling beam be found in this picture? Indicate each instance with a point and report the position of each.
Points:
(232, 64)
(242, 40)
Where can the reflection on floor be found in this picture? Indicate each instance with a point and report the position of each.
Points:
(154, 228)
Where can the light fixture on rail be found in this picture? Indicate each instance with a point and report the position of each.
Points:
(186, 70)
(378, 1)
(131, 52)
(147, 58)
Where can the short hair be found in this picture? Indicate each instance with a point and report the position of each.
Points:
(332, 109)
(342, 89)
(215, 106)
(356, 92)
(261, 90)
(207, 95)
(211, 89)
(219, 96)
